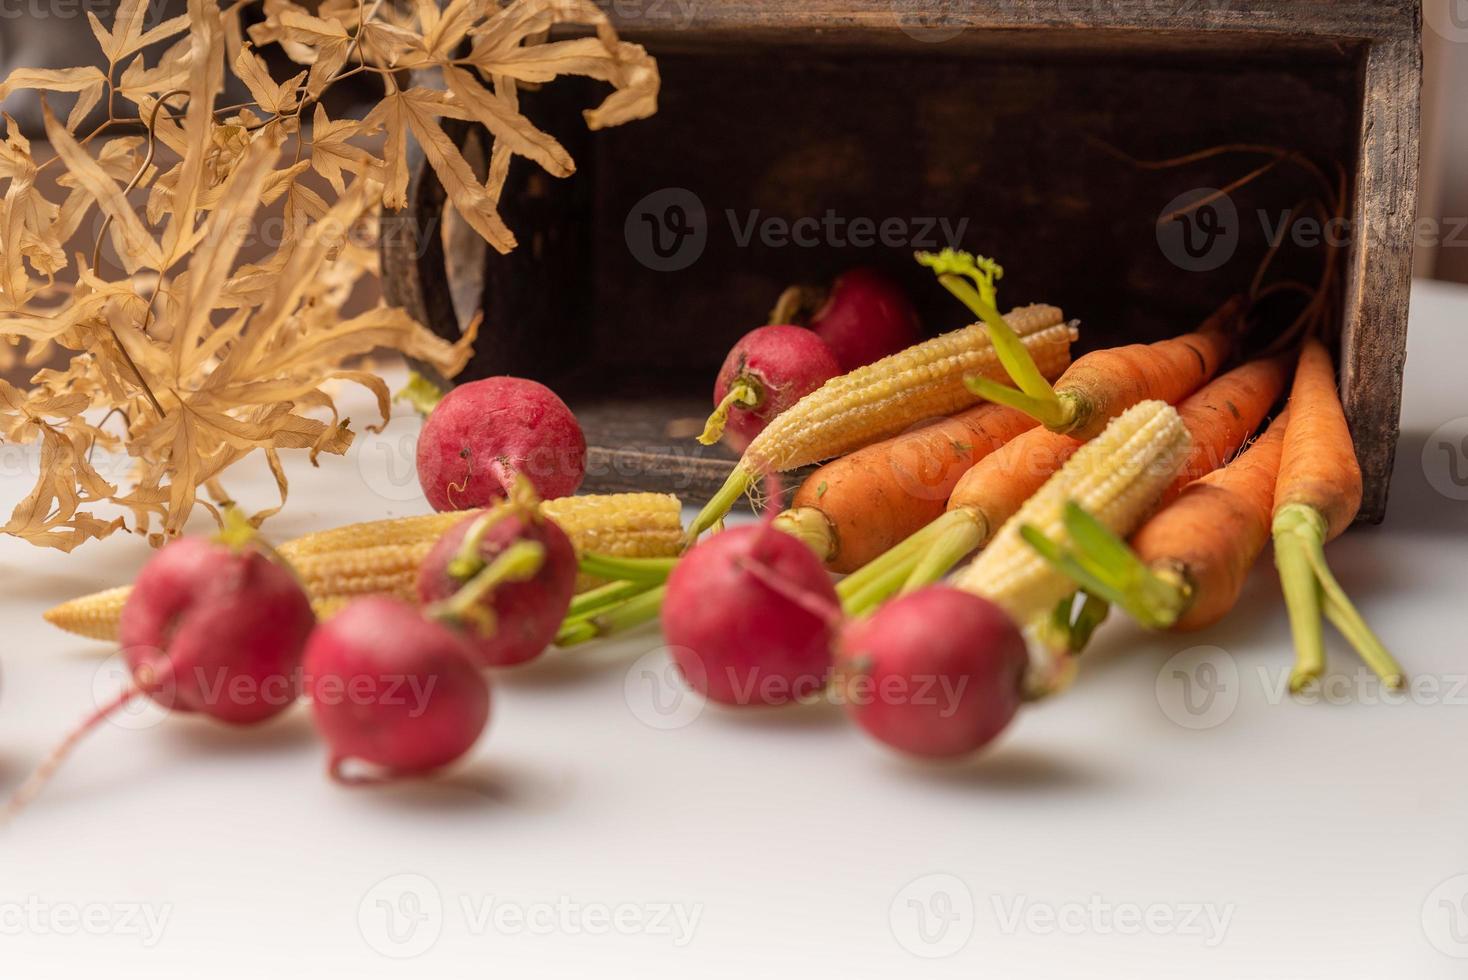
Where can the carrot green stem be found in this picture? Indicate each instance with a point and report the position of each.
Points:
(718, 507)
(652, 570)
(517, 563)
(742, 392)
(963, 532)
(421, 393)
(1105, 567)
(972, 279)
(1311, 590)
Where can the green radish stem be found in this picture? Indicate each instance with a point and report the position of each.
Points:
(1310, 590)
(594, 600)
(634, 612)
(420, 393)
(745, 393)
(651, 570)
(517, 563)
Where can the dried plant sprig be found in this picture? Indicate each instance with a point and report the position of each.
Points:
(189, 350)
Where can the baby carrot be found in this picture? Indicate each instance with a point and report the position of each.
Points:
(856, 507)
(1103, 383)
(1188, 562)
(1219, 417)
(1316, 498)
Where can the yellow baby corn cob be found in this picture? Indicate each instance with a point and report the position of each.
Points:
(884, 398)
(383, 556)
(1117, 477)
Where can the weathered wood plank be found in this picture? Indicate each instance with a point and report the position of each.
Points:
(1374, 334)
(1358, 19)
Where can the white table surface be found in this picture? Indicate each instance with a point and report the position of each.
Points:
(1115, 831)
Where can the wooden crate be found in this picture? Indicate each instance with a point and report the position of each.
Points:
(996, 112)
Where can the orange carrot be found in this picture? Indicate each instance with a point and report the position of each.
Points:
(1319, 468)
(1316, 498)
(1206, 540)
(1225, 413)
(856, 507)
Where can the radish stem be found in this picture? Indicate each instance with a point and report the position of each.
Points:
(517, 563)
(650, 570)
(145, 680)
(744, 393)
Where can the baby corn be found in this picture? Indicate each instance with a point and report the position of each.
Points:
(884, 398)
(1118, 477)
(383, 556)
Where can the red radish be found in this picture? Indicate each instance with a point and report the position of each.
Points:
(866, 317)
(394, 689)
(936, 673)
(214, 627)
(520, 570)
(767, 371)
(482, 435)
(750, 615)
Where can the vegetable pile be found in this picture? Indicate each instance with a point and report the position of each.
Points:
(986, 499)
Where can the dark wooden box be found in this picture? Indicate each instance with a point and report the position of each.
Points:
(996, 113)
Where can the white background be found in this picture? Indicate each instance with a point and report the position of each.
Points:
(1329, 835)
